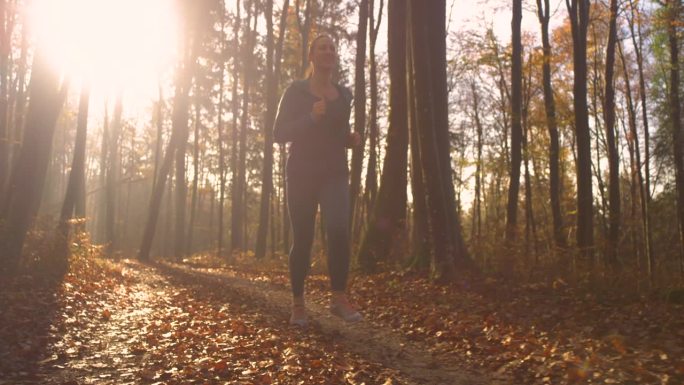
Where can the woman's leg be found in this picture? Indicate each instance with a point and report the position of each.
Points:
(301, 203)
(334, 198)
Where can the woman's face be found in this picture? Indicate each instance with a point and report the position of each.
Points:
(323, 55)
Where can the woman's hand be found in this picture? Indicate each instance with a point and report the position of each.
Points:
(318, 110)
(354, 139)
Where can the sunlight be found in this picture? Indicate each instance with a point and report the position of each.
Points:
(118, 45)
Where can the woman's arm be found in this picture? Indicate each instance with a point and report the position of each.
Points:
(288, 124)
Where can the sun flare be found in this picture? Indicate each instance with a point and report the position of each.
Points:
(117, 45)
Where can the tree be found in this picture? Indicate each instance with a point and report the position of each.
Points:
(76, 178)
(551, 123)
(371, 169)
(516, 132)
(272, 81)
(388, 219)
(6, 27)
(112, 177)
(428, 56)
(25, 188)
(613, 159)
(179, 123)
(673, 13)
(359, 110)
(579, 21)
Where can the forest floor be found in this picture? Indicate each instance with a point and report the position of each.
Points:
(205, 322)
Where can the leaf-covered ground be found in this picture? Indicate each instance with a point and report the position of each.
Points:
(204, 323)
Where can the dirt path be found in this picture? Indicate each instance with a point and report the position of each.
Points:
(414, 362)
(129, 323)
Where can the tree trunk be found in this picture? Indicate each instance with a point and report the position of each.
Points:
(112, 177)
(221, 134)
(76, 180)
(239, 203)
(179, 128)
(476, 232)
(359, 110)
(272, 81)
(635, 159)
(388, 220)
(304, 27)
(371, 169)
(6, 26)
(438, 65)
(26, 182)
(554, 146)
(195, 176)
(673, 13)
(516, 138)
(613, 159)
(428, 100)
(579, 20)
(420, 234)
(235, 192)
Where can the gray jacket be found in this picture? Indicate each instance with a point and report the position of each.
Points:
(317, 149)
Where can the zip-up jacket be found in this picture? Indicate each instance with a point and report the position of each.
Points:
(317, 149)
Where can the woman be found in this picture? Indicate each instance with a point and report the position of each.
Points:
(314, 116)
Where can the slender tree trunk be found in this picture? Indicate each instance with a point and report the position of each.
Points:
(195, 177)
(638, 49)
(388, 220)
(579, 20)
(235, 192)
(113, 177)
(76, 180)
(554, 146)
(613, 159)
(359, 110)
(516, 137)
(239, 203)
(420, 234)
(181, 190)
(371, 169)
(304, 27)
(6, 28)
(221, 134)
(179, 129)
(272, 81)
(476, 232)
(20, 100)
(635, 152)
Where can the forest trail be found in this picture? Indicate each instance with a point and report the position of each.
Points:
(132, 323)
(413, 362)
(205, 322)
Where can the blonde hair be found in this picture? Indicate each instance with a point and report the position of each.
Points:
(312, 45)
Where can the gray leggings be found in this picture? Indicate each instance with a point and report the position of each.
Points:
(304, 196)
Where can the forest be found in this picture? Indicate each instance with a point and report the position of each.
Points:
(516, 202)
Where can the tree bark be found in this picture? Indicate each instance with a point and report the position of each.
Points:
(359, 110)
(554, 145)
(272, 81)
(112, 176)
(516, 137)
(673, 14)
(371, 169)
(613, 158)
(579, 20)
(388, 219)
(427, 102)
(26, 182)
(76, 180)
